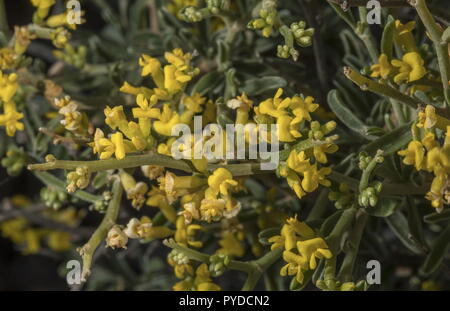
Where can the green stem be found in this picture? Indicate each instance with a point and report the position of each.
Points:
(88, 249)
(367, 84)
(364, 182)
(344, 222)
(151, 158)
(259, 267)
(189, 252)
(346, 271)
(363, 31)
(41, 32)
(320, 206)
(54, 182)
(441, 47)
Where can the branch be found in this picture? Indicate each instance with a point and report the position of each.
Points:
(440, 47)
(88, 249)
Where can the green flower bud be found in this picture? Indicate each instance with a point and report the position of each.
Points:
(14, 161)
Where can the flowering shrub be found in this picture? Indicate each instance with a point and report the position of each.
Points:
(354, 117)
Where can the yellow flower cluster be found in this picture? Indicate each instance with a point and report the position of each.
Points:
(427, 154)
(301, 248)
(200, 281)
(411, 67)
(74, 120)
(10, 117)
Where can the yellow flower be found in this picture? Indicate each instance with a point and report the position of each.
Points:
(411, 68)
(242, 105)
(144, 229)
(60, 20)
(191, 206)
(427, 118)
(60, 37)
(201, 282)
(174, 79)
(172, 184)
(382, 69)
(157, 198)
(72, 118)
(298, 161)
(231, 245)
(313, 177)
(10, 118)
(313, 249)
(403, 35)
(116, 238)
(42, 7)
(221, 181)
(296, 265)
(439, 192)
(414, 155)
(192, 104)
(291, 232)
(167, 119)
(302, 108)
(22, 39)
(429, 141)
(152, 171)
(185, 233)
(129, 89)
(179, 59)
(7, 58)
(288, 128)
(320, 151)
(212, 209)
(115, 117)
(294, 182)
(275, 106)
(107, 147)
(136, 191)
(151, 66)
(146, 109)
(8, 86)
(300, 228)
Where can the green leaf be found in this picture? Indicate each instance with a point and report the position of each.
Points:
(330, 222)
(346, 115)
(258, 86)
(437, 217)
(296, 286)
(392, 141)
(446, 35)
(386, 207)
(100, 179)
(387, 40)
(399, 226)
(266, 234)
(438, 251)
(207, 82)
